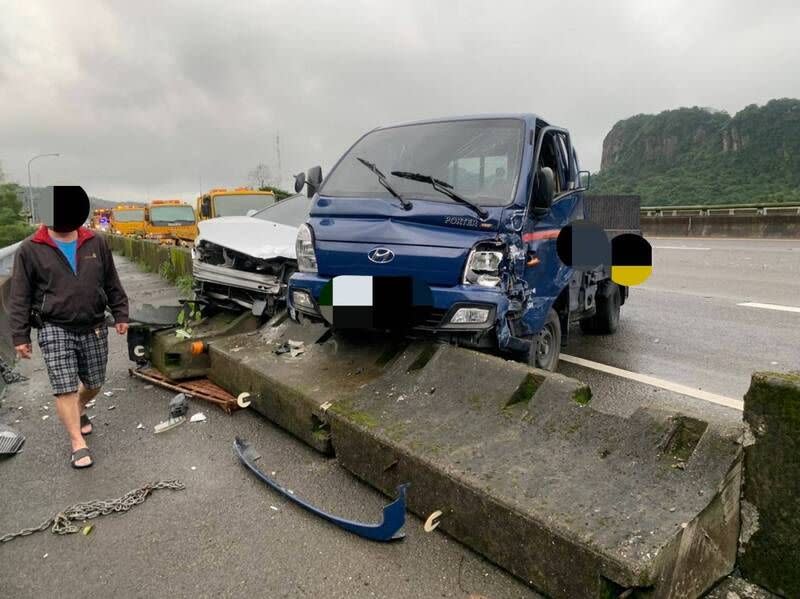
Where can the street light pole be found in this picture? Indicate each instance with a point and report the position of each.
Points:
(30, 188)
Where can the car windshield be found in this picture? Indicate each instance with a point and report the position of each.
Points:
(128, 216)
(480, 159)
(240, 204)
(172, 214)
(292, 211)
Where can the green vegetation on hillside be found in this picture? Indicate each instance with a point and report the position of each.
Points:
(280, 194)
(13, 225)
(702, 156)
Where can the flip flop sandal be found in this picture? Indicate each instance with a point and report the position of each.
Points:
(84, 422)
(80, 454)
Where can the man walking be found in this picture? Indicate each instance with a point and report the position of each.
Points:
(63, 279)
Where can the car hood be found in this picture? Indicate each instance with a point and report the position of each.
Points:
(252, 236)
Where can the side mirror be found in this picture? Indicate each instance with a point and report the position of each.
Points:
(299, 181)
(205, 207)
(544, 191)
(313, 179)
(585, 178)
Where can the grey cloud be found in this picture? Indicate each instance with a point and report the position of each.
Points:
(144, 99)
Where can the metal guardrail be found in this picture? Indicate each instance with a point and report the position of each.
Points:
(7, 258)
(722, 209)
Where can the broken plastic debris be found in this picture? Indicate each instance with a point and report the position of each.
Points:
(291, 347)
(108, 393)
(140, 425)
(272, 507)
(242, 400)
(194, 467)
(45, 555)
(148, 387)
(90, 404)
(87, 530)
(45, 417)
(199, 417)
(168, 424)
(111, 407)
(433, 521)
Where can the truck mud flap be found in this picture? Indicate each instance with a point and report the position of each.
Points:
(394, 514)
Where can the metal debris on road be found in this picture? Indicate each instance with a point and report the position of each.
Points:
(81, 512)
(140, 426)
(394, 514)
(198, 417)
(111, 407)
(291, 347)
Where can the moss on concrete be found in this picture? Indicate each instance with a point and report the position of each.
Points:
(583, 395)
(524, 391)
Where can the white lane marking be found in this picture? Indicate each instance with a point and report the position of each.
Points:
(721, 400)
(770, 306)
(678, 247)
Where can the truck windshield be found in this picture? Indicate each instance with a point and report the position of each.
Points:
(171, 214)
(129, 216)
(480, 159)
(240, 204)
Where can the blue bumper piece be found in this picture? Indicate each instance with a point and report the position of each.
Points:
(394, 514)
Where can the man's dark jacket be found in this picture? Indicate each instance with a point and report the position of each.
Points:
(43, 281)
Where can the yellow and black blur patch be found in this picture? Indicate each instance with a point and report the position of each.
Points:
(631, 259)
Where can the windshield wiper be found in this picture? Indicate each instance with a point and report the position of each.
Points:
(382, 180)
(443, 188)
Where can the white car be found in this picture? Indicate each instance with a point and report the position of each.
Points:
(246, 261)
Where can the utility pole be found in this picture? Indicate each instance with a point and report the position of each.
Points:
(278, 153)
(30, 188)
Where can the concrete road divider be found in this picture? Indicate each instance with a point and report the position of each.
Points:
(770, 542)
(576, 502)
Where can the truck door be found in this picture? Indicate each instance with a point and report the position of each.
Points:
(545, 274)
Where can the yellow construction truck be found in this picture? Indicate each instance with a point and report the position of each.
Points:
(232, 202)
(128, 219)
(170, 221)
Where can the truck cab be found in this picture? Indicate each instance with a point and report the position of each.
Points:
(240, 201)
(470, 208)
(170, 221)
(128, 219)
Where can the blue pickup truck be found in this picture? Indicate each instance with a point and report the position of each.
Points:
(470, 208)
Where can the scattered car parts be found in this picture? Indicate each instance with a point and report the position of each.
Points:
(10, 440)
(394, 514)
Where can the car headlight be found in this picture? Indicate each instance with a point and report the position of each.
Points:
(304, 249)
(483, 268)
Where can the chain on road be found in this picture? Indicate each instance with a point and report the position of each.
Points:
(62, 522)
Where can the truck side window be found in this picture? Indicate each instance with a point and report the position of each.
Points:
(549, 158)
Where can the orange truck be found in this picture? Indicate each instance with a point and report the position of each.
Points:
(232, 202)
(170, 221)
(128, 219)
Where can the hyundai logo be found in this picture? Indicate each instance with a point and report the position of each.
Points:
(381, 255)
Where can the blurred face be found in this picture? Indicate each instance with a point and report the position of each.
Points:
(70, 208)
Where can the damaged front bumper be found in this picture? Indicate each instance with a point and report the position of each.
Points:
(394, 514)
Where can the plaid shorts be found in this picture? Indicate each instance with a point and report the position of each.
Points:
(72, 356)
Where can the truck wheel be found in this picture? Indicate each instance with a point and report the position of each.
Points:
(606, 317)
(546, 346)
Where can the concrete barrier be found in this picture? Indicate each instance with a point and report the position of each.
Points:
(575, 502)
(7, 353)
(776, 226)
(770, 541)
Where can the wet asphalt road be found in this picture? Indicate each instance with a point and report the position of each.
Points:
(684, 325)
(227, 534)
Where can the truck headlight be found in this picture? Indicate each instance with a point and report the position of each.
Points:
(470, 316)
(483, 268)
(304, 249)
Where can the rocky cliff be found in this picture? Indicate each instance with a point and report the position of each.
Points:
(701, 155)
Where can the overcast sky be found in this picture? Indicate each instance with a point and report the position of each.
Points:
(158, 99)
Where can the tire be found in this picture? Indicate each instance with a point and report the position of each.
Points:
(546, 345)
(606, 317)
